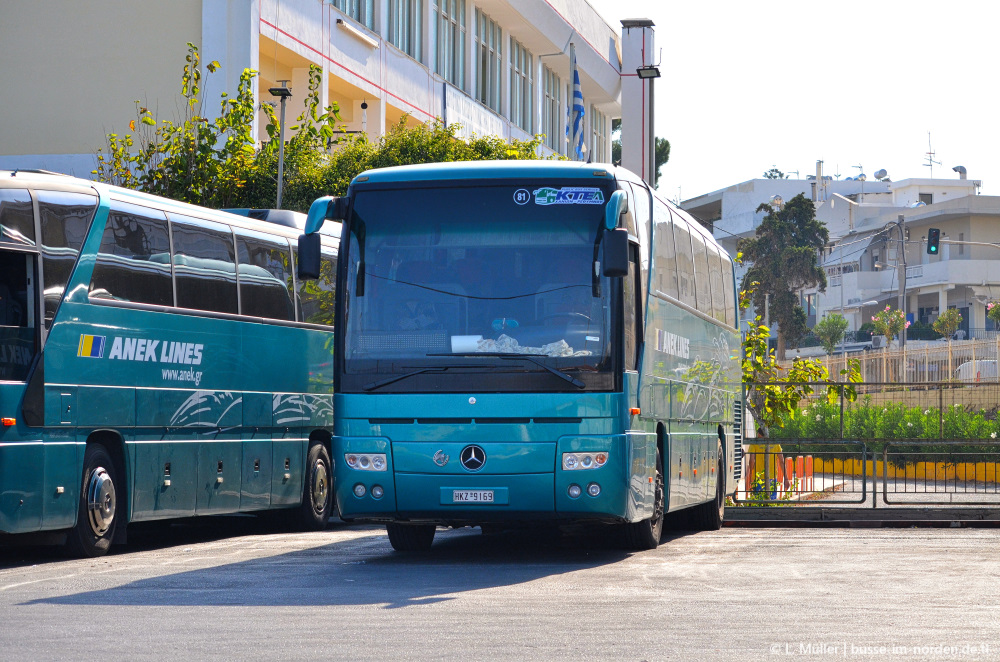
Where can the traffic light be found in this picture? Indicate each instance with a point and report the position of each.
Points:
(933, 239)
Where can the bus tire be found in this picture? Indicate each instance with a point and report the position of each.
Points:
(709, 516)
(410, 537)
(317, 490)
(96, 519)
(646, 534)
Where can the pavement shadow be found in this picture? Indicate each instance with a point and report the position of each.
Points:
(366, 571)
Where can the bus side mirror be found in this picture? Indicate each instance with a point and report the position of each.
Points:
(616, 253)
(308, 257)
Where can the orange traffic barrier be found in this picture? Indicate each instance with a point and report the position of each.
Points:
(800, 472)
(789, 472)
(809, 473)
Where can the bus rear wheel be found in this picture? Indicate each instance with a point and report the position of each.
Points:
(709, 516)
(646, 534)
(317, 490)
(95, 520)
(410, 537)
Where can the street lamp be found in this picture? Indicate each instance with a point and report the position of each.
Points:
(283, 92)
(648, 73)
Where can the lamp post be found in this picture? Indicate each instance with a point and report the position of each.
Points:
(282, 92)
(649, 73)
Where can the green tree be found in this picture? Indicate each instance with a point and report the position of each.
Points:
(948, 322)
(783, 260)
(774, 173)
(661, 149)
(217, 163)
(830, 330)
(773, 393)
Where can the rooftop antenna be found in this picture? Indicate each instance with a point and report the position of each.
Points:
(930, 155)
(837, 174)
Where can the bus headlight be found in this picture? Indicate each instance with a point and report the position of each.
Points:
(366, 461)
(359, 490)
(594, 489)
(574, 491)
(576, 461)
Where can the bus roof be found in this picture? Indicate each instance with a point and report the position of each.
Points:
(471, 170)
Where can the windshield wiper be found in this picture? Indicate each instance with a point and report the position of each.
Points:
(525, 357)
(395, 378)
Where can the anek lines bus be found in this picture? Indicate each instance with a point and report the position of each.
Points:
(527, 341)
(157, 360)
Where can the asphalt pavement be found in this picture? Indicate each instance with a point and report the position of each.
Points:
(233, 590)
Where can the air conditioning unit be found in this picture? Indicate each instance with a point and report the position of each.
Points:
(878, 342)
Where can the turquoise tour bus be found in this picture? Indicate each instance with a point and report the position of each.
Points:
(528, 341)
(158, 360)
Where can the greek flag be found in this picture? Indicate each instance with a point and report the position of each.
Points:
(574, 114)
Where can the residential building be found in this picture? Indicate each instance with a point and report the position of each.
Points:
(497, 67)
(861, 261)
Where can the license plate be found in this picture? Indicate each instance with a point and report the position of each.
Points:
(472, 496)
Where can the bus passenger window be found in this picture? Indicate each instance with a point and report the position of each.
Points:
(133, 262)
(265, 278)
(715, 279)
(703, 294)
(17, 315)
(665, 272)
(205, 266)
(685, 262)
(65, 219)
(729, 284)
(17, 221)
(633, 310)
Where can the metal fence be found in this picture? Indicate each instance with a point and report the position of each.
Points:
(967, 361)
(897, 444)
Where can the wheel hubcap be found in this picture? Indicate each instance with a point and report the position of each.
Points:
(101, 501)
(320, 487)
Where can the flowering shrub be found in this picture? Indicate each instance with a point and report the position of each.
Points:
(993, 311)
(889, 323)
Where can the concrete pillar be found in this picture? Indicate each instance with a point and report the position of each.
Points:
(942, 300)
(637, 102)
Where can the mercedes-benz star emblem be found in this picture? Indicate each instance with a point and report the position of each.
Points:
(473, 458)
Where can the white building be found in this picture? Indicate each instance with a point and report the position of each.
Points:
(861, 261)
(497, 67)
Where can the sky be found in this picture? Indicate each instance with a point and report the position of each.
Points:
(751, 85)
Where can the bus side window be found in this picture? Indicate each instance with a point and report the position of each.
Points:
(632, 304)
(315, 298)
(133, 262)
(204, 266)
(665, 267)
(715, 276)
(729, 284)
(65, 219)
(685, 261)
(265, 278)
(703, 294)
(18, 297)
(17, 220)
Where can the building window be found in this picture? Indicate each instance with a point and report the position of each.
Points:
(489, 57)
(598, 136)
(522, 86)
(406, 26)
(362, 11)
(552, 112)
(451, 41)
(927, 198)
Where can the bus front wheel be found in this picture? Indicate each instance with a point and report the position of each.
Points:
(646, 534)
(95, 520)
(317, 491)
(410, 537)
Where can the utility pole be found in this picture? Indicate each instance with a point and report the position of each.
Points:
(901, 265)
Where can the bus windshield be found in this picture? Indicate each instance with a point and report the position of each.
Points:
(467, 279)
